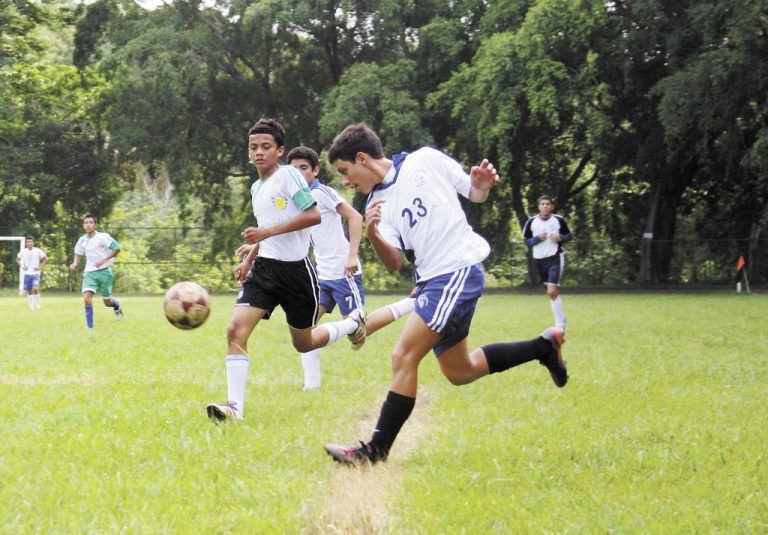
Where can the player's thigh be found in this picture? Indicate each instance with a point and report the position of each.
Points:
(416, 341)
(455, 361)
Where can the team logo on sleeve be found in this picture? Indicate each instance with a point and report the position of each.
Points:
(280, 202)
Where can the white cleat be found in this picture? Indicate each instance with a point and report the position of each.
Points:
(357, 338)
(223, 411)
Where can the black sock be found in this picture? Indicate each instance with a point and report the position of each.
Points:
(504, 355)
(394, 412)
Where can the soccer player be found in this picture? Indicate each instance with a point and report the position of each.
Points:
(546, 233)
(276, 270)
(31, 261)
(100, 250)
(413, 209)
(338, 266)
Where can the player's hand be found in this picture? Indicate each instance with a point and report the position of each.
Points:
(542, 236)
(555, 238)
(243, 250)
(373, 215)
(351, 266)
(98, 263)
(254, 234)
(72, 266)
(483, 176)
(240, 271)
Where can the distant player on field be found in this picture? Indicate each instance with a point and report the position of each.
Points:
(338, 266)
(31, 261)
(413, 209)
(276, 271)
(100, 250)
(546, 233)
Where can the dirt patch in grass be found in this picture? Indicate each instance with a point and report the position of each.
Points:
(364, 499)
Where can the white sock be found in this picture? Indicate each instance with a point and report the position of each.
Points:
(311, 363)
(557, 309)
(337, 329)
(37, 300)
(402, 307)
(237, 374)
(31, 301)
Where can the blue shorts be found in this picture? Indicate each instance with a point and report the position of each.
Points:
(551, 268)
(347, 292)
(31, 282)
(447, 303)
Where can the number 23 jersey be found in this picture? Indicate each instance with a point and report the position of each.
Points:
(422, 215)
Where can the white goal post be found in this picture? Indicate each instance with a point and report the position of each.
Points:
(22, 243)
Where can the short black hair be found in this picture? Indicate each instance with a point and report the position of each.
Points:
(353, 139)
(303, 153)
(89, 214)
(545, 198)
(30, 237)
(269, 126)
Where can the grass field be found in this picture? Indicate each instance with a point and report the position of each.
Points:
(663, 427)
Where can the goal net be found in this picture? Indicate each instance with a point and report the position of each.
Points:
(14, 251)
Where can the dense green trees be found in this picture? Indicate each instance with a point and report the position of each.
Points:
(644, 118)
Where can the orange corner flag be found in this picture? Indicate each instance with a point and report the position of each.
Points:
(740, 264)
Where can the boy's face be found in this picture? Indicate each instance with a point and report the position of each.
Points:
(264, 153)
(546, 207)
(305, 168)
(89, 225)
(29, 243)
(357, 174)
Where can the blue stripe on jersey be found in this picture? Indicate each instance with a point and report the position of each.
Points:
(397, 161)
(325, 190)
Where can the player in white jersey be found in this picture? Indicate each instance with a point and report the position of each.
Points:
(546, 233)
(100, 250)
(338, 266)
(31, 261)
(276, 270)
(413, 209)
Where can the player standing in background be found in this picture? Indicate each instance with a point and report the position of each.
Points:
(31, 261)
(546, 233)
(413, 209)
(338, 265)
(276, 270)
(100, 250)
(339, 273)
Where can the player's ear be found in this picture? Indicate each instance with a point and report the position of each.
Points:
(361, 158)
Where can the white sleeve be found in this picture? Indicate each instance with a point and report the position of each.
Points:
(79, 249)
(455, 174)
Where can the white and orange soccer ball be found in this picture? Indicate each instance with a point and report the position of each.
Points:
(186, 305)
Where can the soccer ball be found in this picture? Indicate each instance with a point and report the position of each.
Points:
(186, 305)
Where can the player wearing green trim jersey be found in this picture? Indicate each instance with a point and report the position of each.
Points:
(100, 250)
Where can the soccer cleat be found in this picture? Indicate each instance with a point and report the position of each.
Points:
(223, 411)
(119, 313)
(554, 360)
(357, 338)
(362, 454)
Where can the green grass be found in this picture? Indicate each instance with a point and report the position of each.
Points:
(662, 428)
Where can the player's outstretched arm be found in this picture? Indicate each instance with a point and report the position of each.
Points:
(482, 178)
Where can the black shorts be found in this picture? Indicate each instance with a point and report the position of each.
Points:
(292, 285)
(550, 269)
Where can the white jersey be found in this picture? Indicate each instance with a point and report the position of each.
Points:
(553, 225)
(276, 199)
(422, 215)
(328, 239)
(30, 260)
(95, 248)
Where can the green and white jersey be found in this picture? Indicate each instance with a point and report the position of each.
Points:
(276, 199)
(95, 248)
